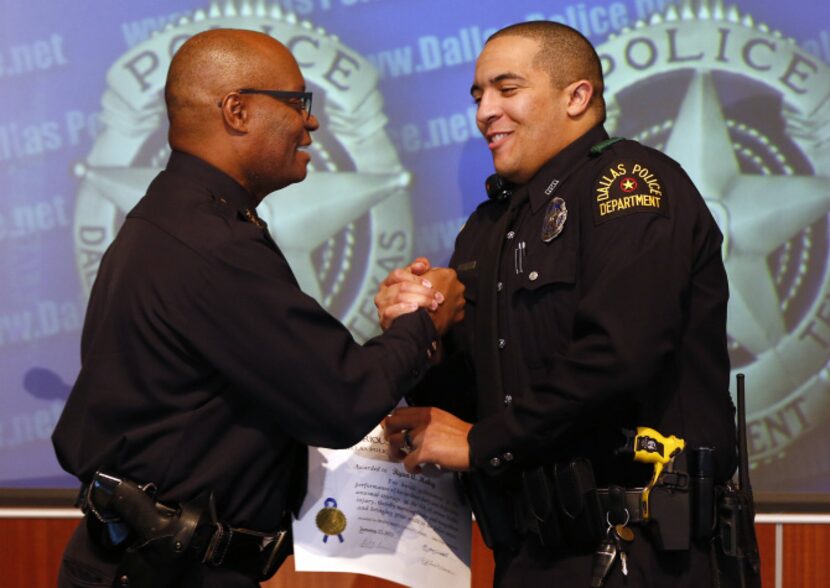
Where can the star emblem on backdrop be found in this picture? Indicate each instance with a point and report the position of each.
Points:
(755, 212)
(301, 217)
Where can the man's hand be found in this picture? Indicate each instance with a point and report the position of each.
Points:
(451, 309)
(404, 291)
(428, 436)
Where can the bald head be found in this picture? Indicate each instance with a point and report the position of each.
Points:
(213, 63)
(257, 139)
(564, 53)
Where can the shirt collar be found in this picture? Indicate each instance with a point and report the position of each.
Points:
(541, 187)
(214, 180)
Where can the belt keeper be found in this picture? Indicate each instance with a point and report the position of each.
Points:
(217, 544)
(617, 511)
(275, 547)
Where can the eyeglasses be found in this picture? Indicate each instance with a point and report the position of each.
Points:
(299, 100)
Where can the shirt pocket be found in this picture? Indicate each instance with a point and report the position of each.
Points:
(547, 268)
(545, 305)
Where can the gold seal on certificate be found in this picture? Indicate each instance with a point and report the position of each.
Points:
(331, 520)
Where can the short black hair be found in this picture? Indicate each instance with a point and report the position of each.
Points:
(564, 53)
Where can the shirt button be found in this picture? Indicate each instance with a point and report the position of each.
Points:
(495, 462)
(532, 276)
(499, 286)
(508, 399)
(502, 343)
(508, 456)
(511, 234)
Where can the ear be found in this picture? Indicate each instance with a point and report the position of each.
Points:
(234, 112)
(579, 95)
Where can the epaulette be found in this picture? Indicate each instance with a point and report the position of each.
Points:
(600, 147)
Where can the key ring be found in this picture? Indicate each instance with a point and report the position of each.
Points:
(624, 524)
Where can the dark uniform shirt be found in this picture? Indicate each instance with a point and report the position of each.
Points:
(205, 368)
(619, 320)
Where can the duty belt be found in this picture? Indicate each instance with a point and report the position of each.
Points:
(622, 504)
(125, 516)
(562, 505)
(255, 554)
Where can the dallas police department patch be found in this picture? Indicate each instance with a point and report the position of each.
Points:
(626, 187)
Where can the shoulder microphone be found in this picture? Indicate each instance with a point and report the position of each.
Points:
(498, 188)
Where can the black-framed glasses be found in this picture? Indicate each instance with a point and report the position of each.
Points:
(299, 100)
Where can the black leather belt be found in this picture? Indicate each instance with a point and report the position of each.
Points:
(255, 554)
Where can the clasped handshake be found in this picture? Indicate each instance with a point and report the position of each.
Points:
(425, 435)
(421, 286)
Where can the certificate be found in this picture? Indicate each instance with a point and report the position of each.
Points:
(365, 514)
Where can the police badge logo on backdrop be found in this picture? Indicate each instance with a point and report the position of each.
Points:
(335, 245)
(709, 58)
(768, 172)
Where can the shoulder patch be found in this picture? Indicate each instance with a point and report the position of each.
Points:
(626, 187)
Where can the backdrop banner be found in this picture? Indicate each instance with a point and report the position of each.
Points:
(738, 93)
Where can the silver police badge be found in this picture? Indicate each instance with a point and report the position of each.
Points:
(555, 217)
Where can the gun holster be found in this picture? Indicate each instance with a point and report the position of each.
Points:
(157, 541)
(670, 510)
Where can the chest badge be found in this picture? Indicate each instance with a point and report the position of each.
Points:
(555, 217)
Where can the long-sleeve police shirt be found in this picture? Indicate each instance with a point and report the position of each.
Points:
(617, 321)
(206, 369)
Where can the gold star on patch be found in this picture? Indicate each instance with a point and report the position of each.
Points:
(628, 184)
